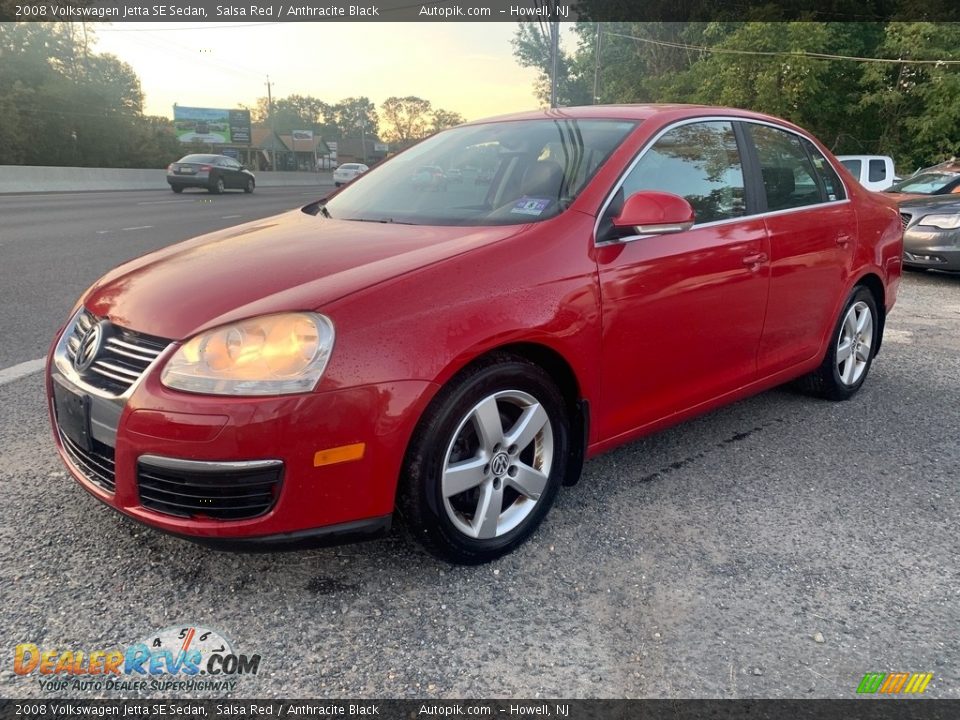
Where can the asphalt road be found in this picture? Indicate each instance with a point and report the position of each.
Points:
(780, 547)
(53, 246)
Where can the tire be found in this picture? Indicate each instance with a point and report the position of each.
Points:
(857, 329)
(337, 184)
(459, 432)
(248, 188)
(218, 187)
(177, 189)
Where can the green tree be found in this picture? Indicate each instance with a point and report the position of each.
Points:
(355, 116)
(442, 119)
(531, 47)
(407, 119)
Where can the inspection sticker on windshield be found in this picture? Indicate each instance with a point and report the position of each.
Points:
(530, 206)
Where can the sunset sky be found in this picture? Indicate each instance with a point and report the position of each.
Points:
(465, 67)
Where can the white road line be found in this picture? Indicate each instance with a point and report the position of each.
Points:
(227, 217)
(103, 232)
(139, 227)
(163, 202)
(15, 372)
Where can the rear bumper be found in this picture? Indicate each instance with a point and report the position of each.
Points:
(188, 180)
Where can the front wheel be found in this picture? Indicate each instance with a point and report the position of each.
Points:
(248, 188)
(486, 461)
(850, 352)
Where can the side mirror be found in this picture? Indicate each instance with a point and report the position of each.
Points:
(651, 212)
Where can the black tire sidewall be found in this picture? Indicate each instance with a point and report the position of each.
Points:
(442, 420)
(840, 388)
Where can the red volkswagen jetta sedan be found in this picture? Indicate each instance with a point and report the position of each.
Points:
(457, 354)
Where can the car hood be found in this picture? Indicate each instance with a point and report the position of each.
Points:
(293, 261)
(917, 204)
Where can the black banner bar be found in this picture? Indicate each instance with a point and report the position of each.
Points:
(260, 11)
(854, 709)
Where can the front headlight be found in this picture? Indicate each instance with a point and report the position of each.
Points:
(944, 222)
(269, 355)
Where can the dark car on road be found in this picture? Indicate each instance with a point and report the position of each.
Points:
(215, 173)
(930, 210)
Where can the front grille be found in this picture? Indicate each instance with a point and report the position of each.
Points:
(123, 357)
(905, 219)
(222, 495)
(97, 465)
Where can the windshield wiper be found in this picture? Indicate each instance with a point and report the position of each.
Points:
(390, 221)
(322, 209)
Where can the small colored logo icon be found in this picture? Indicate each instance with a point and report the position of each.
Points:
(894, 683)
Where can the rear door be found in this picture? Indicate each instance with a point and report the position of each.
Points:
(812, 228)
(682, 313)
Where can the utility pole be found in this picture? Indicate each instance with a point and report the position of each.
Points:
(554, 51)
(273, 132)
(363, 138)
(596, 66)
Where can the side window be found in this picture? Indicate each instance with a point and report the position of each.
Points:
(878, 171)
(699, 162)
(853, 166)
(828, 176)
(788, 176)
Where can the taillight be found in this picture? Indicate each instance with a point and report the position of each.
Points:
(208, 168)
(170, 167)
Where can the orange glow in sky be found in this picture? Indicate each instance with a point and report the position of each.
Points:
(464, 67)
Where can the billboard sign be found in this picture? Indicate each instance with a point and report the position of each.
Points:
(302, 134)
(215, 126)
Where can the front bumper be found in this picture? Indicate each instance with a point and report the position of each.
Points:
(931, 248)
(315, 502)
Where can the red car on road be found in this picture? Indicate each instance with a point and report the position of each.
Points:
(458, 355)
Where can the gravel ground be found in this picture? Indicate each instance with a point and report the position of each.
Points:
(781, 547)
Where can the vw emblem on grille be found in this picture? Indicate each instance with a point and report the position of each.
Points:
(89, 348)
(499, 464)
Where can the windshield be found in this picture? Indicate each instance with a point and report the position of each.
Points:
(926, 183)
(503, 173)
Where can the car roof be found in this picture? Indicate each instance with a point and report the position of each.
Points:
(631, 112)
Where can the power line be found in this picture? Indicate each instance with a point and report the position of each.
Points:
(798, 55)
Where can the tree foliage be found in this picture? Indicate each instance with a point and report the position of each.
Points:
(61, 104)
(909, 111)
(409, 119)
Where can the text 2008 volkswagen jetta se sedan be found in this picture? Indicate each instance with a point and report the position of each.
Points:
(456, 354)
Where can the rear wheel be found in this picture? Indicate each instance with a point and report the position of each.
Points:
(850, 352)
(217, 187)
(176, 188)
(486, 462)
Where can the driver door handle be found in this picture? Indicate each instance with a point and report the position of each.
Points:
(754, 260)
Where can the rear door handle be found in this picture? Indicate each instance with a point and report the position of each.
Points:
(752, 261)
(843, 240)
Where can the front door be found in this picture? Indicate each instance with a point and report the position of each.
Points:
(682, 313)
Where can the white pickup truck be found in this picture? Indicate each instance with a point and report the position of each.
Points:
(875, 172)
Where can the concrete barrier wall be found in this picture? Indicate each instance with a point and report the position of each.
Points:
(33, 179)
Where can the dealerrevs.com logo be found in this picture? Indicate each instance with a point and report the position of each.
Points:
(174, 659)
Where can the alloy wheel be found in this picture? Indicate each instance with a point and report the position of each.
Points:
(854, 343)
(497, 464)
